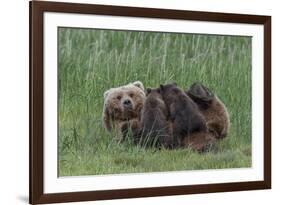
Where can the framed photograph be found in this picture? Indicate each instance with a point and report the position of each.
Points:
(138, 102)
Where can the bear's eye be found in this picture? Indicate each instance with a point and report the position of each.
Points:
(119, 97)
(131, 95)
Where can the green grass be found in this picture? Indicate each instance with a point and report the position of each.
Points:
(92, 61)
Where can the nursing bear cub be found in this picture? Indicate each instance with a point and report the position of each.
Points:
(184, 114)
(155, 127)
(212, 108)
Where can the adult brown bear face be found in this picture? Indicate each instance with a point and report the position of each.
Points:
(122, 104)
(125, 103)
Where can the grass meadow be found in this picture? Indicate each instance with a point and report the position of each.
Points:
(92, 61)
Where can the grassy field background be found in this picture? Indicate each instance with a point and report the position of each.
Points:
(92, 61)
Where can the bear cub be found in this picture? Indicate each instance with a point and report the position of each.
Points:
(212, 108)
(154, 121)
(183, 113)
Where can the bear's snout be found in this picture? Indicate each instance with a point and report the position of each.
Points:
(127, 103)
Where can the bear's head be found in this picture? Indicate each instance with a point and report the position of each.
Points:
(170, 90)
(123, 103)
(153, 97)
(201, 95)
(171, 87)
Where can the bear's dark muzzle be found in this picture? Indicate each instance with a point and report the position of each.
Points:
(127, 104)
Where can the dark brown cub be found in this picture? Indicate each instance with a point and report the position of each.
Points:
(212, 108)
(183, 113)
(154, 121)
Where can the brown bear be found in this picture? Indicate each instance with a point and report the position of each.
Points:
(183, 112)
(122, 107)
(155, 128)
(201, 141)
(212, 108)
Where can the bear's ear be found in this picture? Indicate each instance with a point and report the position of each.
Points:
(105, 94)
(161, 87)
(138, 84)
(148, 90)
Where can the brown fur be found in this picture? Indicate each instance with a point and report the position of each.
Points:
(154, 121)
(122, 107)
(183, 113)
(199, 141)
(212, 108)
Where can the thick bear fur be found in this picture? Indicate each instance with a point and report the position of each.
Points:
(183, 112)
(155, 127)
(200, 141)
(122, 107)
(212, 108)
